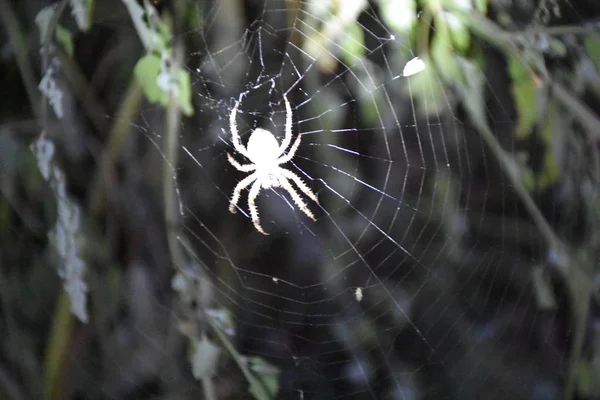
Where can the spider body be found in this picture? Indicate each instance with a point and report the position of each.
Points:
(266, 156)
(264, 152)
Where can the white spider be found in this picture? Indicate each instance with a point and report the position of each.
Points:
(266, 156)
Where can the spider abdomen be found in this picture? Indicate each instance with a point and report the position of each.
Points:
(263, 147)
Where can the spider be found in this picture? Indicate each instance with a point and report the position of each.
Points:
(266, 156)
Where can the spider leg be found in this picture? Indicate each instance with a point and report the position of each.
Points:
(296, 197)
(305, 189)
(238, 166)
(238, 190)
(291, 153)
(288, 125)
(235, 136)
(254, 190)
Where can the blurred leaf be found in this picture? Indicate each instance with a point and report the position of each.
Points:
(352, 44)
(399, 15)
(481, 6)
(223, 319)
(550, 173)
(42, 20)
(184, 98)
(82, 13)
(146, 72)
(89, 6)
(459, 33)
(204, 358)
(585, 379)
(557, 47)
(368, 110)
(64, 37)
(194, 14)
(269, 376)
(524, 93)
(592, 45)
(149, 72)
(442, 52)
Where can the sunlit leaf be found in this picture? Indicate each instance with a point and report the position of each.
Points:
(149, 70)
(399, 15)
(146, 72)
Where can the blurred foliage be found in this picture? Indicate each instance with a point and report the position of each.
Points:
(156, 73)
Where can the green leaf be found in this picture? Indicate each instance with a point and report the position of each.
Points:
(269, 376)
(524, 93)
(64, 37)
(352, 44)
(442, 53)
(459, 33)
(184, 99)
(481, 6)
(146, 72)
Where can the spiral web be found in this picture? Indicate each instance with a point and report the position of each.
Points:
(400, 286)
